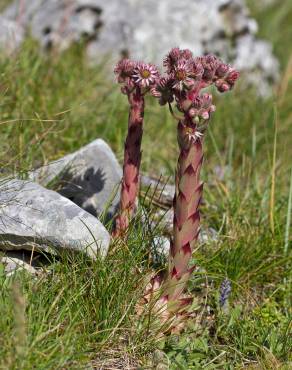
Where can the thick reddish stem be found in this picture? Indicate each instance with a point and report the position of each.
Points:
(186, 209)
(172, 303)
(132, 159)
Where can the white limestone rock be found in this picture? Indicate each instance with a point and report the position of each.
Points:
(32, 217)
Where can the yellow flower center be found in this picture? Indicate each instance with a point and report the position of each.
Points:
(189, 131)
(145, 73)
(180, 75)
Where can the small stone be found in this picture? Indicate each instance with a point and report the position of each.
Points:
(166, 222)
(222, 172)
(13, 264)
(208, 235)
(30, 261)
(32, 217)
(161, 248)
(164, 193)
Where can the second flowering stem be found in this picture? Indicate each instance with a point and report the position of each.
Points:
(137, 79)
(132, 160)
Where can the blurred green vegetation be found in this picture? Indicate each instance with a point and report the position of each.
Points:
(4, 3)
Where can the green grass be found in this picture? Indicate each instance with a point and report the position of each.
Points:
(4, 4)
(83, 312)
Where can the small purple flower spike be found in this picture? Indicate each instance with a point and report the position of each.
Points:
(225, 290)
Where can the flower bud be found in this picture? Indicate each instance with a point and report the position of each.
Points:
(205, 115)
(222, 86)
(192, 112)
(196, 119)
(155, 93)
(206, 100)
(212, 108)
(232, 77)
(186, 54)
(222, 70)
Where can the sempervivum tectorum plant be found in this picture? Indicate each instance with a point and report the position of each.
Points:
(185, 78)
(137, 79)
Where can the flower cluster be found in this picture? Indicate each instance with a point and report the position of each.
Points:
(184, 79)
(133, 74)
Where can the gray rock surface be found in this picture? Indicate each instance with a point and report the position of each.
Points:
(164, 192)
(18, 260)
(32, 217)
(89, 177)
(148, 29)
(16, 263)
(11, 35)
(208, 235)
(160, 249)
